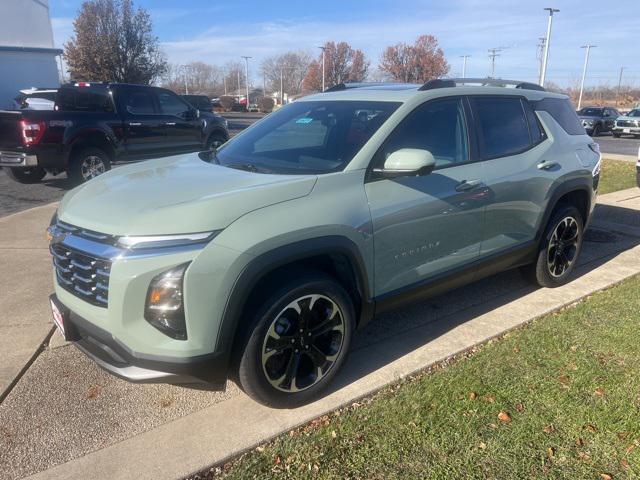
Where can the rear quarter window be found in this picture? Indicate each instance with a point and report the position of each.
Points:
(562, 112)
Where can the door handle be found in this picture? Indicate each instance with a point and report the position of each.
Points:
(170, 123)
(467, 185)
(546, 165)
(134, 124)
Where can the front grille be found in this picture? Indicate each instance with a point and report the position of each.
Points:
(82, 275)
(627, 123)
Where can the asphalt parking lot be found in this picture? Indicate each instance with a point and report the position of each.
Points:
(84, 409)
(15, 197)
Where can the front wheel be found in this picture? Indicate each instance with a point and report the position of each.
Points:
(26, 175)
(214, 141)
(559, 249)
(299, 341)
(88, 164)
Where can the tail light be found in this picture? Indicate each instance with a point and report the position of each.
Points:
(32, 131)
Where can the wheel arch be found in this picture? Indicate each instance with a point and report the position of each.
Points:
(93, 139)
(576, 192)
(336, 256)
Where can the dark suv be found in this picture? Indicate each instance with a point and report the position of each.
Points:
(597, 120)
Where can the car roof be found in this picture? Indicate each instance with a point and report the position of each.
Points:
(402, 92)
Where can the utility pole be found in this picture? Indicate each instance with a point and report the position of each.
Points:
(183, 69)
(281, 85)
(323, 49)
(246, 80)
(619, 85)
(224, 81)
(464, 65)
(547, 43)
(493, 53)
(584, 71)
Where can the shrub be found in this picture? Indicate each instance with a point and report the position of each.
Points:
(265, 104)
(227, 102)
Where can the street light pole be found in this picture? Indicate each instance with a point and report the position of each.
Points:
(464, 65)
(584, 71)
(281, 85)
(619, 85)
(547, 43)
(493, 53)
(246, 80)
(323, 49)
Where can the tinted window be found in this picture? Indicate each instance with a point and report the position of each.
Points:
(307, 137)
(634, 113)
(562, 112)
(591, 112)
(535, 129)
(198, 101)
(140, 102)
(438, 126)
(503, 126)
(83, 100)
(171, 104)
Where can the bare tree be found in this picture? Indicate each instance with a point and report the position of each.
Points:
(415, 63)
(292, 65)
(114, 42)
(342, 64)
(234, 73)
(200, 78)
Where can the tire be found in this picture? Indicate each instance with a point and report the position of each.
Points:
(264, 375)
(215, 140)
(87, 164)
(555, 263)
(615, 135)
(596, 131)
(26, 175)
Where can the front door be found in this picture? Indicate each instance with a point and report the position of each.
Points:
(182, 128)
(426, 225)
(142, 122)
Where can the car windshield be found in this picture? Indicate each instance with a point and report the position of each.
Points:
(307, 137)
(590, 112)
(634, 113)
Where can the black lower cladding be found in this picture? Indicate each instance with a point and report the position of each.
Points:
(210, 369)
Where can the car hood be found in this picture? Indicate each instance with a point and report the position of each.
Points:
(625, 117)
(180, 194)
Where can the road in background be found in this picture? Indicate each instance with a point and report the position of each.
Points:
(15, 197)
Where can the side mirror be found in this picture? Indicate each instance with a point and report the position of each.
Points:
(192, 114)
(407, 162)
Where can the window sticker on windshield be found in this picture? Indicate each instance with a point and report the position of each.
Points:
(304, 120)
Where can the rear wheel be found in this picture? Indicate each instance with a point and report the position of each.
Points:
(300, 340)
(26, 175)
(596, 131)
(559, 250)
(87, 164)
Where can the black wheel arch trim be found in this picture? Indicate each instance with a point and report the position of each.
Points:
(265, 263)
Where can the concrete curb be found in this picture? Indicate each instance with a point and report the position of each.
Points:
(616, 156)
(215, 434)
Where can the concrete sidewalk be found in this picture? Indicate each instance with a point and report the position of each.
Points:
(25, 280)
(384, 352)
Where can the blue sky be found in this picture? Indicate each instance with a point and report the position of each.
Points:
(216, 32)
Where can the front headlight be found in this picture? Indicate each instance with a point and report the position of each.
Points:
(162, 241)
(164, 308)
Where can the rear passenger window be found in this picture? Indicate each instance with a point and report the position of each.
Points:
(503, 126)
(562, 112)
(140, 103)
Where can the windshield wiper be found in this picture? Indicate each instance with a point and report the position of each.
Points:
(248, 167)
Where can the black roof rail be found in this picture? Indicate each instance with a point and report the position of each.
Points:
(493, 82)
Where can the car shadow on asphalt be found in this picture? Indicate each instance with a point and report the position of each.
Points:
(423, 322)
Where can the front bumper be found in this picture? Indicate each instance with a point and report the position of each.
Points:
(627, 130)
(17, 159)
(207, 370)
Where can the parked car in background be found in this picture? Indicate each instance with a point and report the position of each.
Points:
(95, 124)
(628, 124)
(261, 263)
(201, 102)
(35, 99)
(597, 120)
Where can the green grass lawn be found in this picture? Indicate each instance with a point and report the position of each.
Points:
(616, 175)
(559, 398)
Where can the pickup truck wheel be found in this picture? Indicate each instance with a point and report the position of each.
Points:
(596, 131)
(26, 175)
(300, 340)
(88, 164)
(215, 140)
(559, 250)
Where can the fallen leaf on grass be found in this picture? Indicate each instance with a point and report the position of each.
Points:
(584, 456)
(605, 476)
(579, 442)
(504, 417)
(631, 447)
(624, 464)
(520, 407)
(277, 460)
(599, 392)
(564, 379)
(489, 398)
(574, 348)
(260, 449)
(549, 429)
(590, 427)
(551, 452)
(333, 434)
(482, 445)
(473, 395)
(516, 350)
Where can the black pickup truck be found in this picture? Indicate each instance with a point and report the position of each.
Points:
(95, 124)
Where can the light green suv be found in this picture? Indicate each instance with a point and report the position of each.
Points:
(259, 261)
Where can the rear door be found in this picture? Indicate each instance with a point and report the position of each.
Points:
(144, 126)
(182, 127)
(512, 146)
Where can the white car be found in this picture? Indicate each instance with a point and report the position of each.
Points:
(35, 99)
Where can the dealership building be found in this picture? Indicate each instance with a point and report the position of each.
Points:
(27, 55)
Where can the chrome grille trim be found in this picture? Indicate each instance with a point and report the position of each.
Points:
(81, 274)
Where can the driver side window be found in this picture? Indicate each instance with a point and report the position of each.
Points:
(438, 126)
(171, 104)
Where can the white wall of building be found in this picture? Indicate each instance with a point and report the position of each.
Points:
(27, 55)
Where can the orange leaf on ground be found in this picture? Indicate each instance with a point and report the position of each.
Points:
(504, 417)
(605, 476)
(549, 429)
